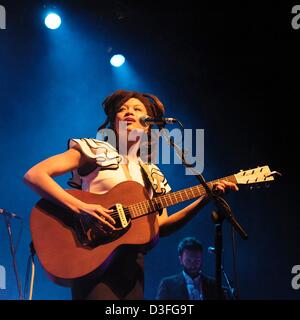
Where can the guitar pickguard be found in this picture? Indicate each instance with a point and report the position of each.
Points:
(91, 233)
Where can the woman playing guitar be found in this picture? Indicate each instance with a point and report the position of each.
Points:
(97, 167)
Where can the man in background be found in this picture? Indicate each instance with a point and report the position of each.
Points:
(191, 283)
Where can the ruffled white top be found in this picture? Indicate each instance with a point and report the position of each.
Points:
(109, 171)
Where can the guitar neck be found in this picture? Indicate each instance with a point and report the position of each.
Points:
(145, 207)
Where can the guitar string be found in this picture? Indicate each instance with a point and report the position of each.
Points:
(156, 206)
(150, 203)
(175, 195)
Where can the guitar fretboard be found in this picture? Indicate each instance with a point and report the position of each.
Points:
(148, 206)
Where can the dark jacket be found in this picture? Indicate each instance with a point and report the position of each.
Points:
(174, 288)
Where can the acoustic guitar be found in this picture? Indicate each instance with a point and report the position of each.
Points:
(73, 247)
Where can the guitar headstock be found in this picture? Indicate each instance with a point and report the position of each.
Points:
(255, 176)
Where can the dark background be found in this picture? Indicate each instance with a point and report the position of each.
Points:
(230, 69)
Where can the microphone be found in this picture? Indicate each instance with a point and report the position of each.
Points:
(146, 121)
(9, 214)
(211, 250)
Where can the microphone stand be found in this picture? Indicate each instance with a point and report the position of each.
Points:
(7, 217)
(223, 212)
(231, 289)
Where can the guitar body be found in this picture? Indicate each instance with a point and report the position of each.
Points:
(71, 251)
(63, 256)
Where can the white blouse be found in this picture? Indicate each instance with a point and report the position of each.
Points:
(110, 172)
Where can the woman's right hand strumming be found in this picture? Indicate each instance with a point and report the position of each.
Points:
(99, 212)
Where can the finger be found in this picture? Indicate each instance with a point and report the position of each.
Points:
(102, 220)
(232, 186)
(226, 183)
(106, 216)
(235, 187)
(107, 223)
(221, 184)
(219, 188)
(95, 215)
(106, 210)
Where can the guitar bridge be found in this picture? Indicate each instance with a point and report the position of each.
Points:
(122, 215)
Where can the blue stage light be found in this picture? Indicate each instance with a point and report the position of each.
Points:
(117, 60)
(52, 21)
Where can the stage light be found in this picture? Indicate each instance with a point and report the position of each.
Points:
(117, 60)
(52, 21)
